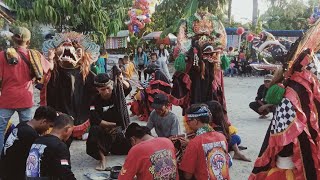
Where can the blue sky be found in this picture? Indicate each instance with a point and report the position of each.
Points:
(242, 9)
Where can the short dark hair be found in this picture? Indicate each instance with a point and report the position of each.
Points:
(137, 131)
(194, 108)
(154, 54)
(17, 41)
(62, 120)
(45, 112)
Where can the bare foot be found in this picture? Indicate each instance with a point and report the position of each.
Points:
(101, 166)
(263, 117)
(241, 157)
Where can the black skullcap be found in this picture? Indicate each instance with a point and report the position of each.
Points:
(102, 80)
(152, 68)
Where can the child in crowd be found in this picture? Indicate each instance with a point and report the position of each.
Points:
(162, 119)
(162, 64)
(128, 68)
(49, 156)
(18, 143)
(120, 63)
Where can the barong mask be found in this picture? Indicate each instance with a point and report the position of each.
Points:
(202, 35)
(68, 54)
(73, 50)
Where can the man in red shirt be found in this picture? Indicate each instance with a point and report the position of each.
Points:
(16, 90)
(206, 156)
(149, 158)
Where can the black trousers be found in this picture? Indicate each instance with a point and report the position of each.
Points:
(255, 106)
(100, 140)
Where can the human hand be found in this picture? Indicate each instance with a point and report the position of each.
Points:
(120, 77)
(51, 54)
(184, 141)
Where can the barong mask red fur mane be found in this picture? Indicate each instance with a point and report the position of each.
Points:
(73, 50)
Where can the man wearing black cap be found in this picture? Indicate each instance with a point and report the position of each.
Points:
(162, 119)
(105, 134)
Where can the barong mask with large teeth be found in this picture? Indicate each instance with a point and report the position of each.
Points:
(69, 54)
(73, 50)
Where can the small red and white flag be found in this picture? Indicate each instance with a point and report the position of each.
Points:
(64, 162)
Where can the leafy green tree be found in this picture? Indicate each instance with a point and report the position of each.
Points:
(96, 17)
(287, 15)
(169, 13)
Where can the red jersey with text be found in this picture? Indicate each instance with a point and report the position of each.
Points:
(17, 89)
(206, 157)
(151, 159)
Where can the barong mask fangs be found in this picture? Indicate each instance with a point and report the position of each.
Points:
(71, 47)
(69, 53)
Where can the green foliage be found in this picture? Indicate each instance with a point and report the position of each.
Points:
(169, 12)
(286, 15)
(95, 17)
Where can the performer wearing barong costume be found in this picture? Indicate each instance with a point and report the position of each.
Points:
(291, 146)
(199, 75)
(70, 85)
(106, 119)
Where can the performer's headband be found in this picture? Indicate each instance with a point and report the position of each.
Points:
(202, 112)
(103, 84)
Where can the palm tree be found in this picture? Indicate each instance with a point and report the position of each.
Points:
(255, 13)
(229, 10)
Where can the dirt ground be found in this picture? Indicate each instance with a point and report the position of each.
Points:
(239, 93)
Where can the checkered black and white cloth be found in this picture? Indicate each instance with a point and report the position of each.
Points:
(284, 116)
(314, 67)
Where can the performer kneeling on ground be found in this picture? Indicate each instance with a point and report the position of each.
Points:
(149, 158)
(200, 158)
(105, 134)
